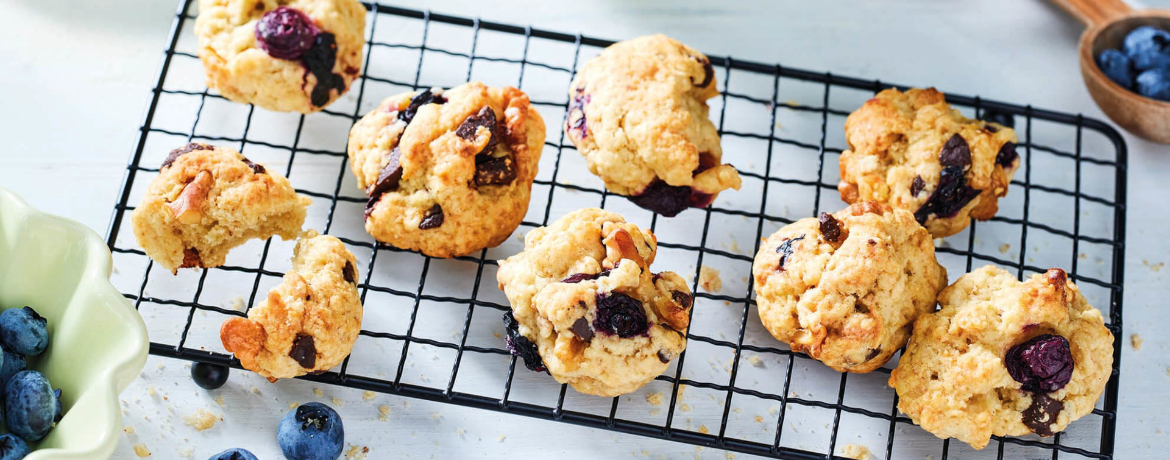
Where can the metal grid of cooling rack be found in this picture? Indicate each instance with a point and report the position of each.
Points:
(1084, 152)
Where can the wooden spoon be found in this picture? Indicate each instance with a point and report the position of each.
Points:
(1108, 22)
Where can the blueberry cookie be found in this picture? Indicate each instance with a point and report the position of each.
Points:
(586, 308)
(639, 115)
(449, 172)
(282, 55)
(1004, 358)
(207, 200)
(912, 151)
(309, 322)
(846, 288)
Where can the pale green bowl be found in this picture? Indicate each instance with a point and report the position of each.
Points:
(97, 343)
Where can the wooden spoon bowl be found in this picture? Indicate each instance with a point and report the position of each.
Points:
(1109, 21)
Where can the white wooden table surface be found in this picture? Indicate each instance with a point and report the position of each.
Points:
(75, 78)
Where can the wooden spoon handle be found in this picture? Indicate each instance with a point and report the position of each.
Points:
(1095, 12)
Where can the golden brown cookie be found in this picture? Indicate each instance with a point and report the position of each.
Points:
(1004, 358)
(586, 307)
(207, 200)
(847, 287)
(309, 322)
(639, 115)
(282, 55)
(449, 172)
(912, 151)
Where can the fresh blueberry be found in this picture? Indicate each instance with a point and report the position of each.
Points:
(285, 33)
(234, 453)
(24, 331)
(13, 362)
(1042, 364)
(311, 432)
(1148, 47)
(1117, 67)
(1155, 84)
(30, 405)
(209, 376)
(12, 447)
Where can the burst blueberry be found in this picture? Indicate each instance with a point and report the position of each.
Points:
(520, 346)
(232, 454)
(12, 447)
(621, 315)
(24, 331)
(311, 432)
(1117, 66)
(1042, 364)
(285, 33)
(30, 405)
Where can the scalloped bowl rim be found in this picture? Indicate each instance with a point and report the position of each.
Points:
(96, 275)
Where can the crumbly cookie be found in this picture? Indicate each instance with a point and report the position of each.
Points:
(309, 322)
(639, 115)
(1005, 358)
(586, 307)
(207, 200)
(912, 151)
(282, 55)
(448, 172)
(846, 288)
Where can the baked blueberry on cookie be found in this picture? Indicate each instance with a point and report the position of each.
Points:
(309, 322)
(207, 200)
(846, 288)
(639, 115)
(586, 308)
(282, 55)
(912, 151)
(448, 172)
(1004, 358)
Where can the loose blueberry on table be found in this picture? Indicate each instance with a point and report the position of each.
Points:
(12, 447)
(232, 454)
(311, 432)
(209, 376)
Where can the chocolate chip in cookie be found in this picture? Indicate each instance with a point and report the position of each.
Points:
(176, 153)
(304, 351)
(494, 171)
(432, 219)
(1041, 414)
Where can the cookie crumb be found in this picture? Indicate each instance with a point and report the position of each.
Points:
(383, 413)
(1136, 341)
(151, 391)
(1154, 267)
(318, 393)
(293, 405)
(338, 402)
(755, 361)
(684, 407)
(703, 429)
(759, 419)
(729, 456)
(141, 451)
(356, 453)
(501, 438)
(255, 391)
(219, 400)
(238, 304)
(654, 398)
(857, 452)
(186, 452)
(369, 396)
(201, 420)
(1004, 248)
(709, 279)
(128, 430)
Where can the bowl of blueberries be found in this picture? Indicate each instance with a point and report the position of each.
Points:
(69, 341)
(1126, 66)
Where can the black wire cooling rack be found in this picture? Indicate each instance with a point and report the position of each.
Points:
(780, 126)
